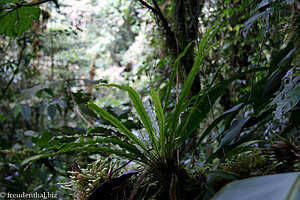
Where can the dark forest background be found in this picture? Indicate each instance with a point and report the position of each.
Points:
(150, 99)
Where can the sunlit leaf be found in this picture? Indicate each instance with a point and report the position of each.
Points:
(270, 187)
(14, 22)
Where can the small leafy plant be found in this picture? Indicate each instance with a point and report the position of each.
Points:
(165, 136)
(167, 132)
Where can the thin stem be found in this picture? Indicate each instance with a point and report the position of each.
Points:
(148, 6)
(165, 24)
(257, 65)
(17, 69)
(78, 111)
(110, 174)
(212, 111)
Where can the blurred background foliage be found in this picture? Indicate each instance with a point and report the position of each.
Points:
(247, 86)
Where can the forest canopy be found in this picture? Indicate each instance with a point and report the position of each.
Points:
(150, 99)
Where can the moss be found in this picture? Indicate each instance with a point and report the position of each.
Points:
(244, 167)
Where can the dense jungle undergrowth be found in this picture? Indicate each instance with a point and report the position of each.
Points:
(145, 99)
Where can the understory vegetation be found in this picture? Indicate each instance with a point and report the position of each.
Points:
(150, 99)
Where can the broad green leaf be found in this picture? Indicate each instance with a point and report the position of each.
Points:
(280, 60)
(273, 82)
(16, 110)
(25, 112)
(271, 187)
(234, 131)
(288, 57)
(43, 140)
(14, 22)
(235, 108)
(282, 55)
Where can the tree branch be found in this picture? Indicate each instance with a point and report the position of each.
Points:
(156, 5)
(17, 69)
(148, 6)
(257, 65)
(37, 3)
(77, 109)
(29, 5)
(169, 33)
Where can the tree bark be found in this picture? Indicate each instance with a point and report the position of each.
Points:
(181, 32)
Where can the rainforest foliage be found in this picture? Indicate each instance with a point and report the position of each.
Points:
(155, 99)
